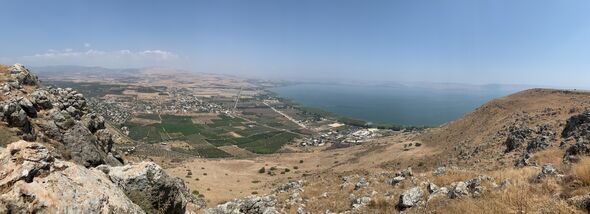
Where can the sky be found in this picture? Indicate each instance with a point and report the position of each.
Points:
(534, 42)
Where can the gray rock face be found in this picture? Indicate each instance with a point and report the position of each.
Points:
(83, 146)
(14, 114)
(410, 198)
(40, 99)
(248, 205)
(22, 75)
(35, 182)
(65, 119)
(147, 185)
(28, 107)
(93, 122)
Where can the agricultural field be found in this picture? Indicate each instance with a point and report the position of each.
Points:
(204, 138)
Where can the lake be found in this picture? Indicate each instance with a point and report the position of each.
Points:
(398, 104)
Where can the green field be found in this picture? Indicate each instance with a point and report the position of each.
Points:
(206, 138)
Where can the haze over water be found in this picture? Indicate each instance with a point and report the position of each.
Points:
(407, 105)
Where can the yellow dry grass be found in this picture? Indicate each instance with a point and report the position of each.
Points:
(553, 156)
(581, 171)
(524, 195)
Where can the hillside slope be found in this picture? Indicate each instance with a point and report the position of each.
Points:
(479, 139)
(524, 153)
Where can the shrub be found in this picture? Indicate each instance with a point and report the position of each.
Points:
(300, 161)
(262, 170)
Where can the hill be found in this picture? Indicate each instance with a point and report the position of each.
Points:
(522, 153)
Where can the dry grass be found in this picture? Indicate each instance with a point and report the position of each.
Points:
(581, 171)
(553, 156)
(453, 176)
(522, 196)
(3, 72)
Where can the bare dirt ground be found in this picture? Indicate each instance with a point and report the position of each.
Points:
(225, 179)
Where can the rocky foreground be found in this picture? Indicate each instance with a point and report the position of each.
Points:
(66, 161)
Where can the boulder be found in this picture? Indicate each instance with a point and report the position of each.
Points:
(363, 183)
(93, 122)
(83, 146)
(581, 201)
(248, 205)
(28, 107)
(573, 152)
(410, 198)
(22, 75)
(547, 170)
(458, 189)
(577, 126)
(40, 99)
(432, 188)
(33, 181)
(360, 202)
(147, 185)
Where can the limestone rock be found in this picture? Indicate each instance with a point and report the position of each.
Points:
(35, 182)
(410, 197)
(248, 205)
(22, 75)
(360, 202)
(363, 183)
(458, 189)
(150, 187)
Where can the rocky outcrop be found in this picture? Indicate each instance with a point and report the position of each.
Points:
(248, 205)
(33, 181)
(577, 126)
(410, 198)
(56, 115)
(150, 187)
(577, 129)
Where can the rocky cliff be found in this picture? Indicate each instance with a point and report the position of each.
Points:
(66, 161)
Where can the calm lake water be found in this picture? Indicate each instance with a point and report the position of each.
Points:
(407, 105)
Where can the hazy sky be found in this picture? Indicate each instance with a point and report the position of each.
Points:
(470, 41)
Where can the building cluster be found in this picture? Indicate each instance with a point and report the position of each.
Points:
(351, 136)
